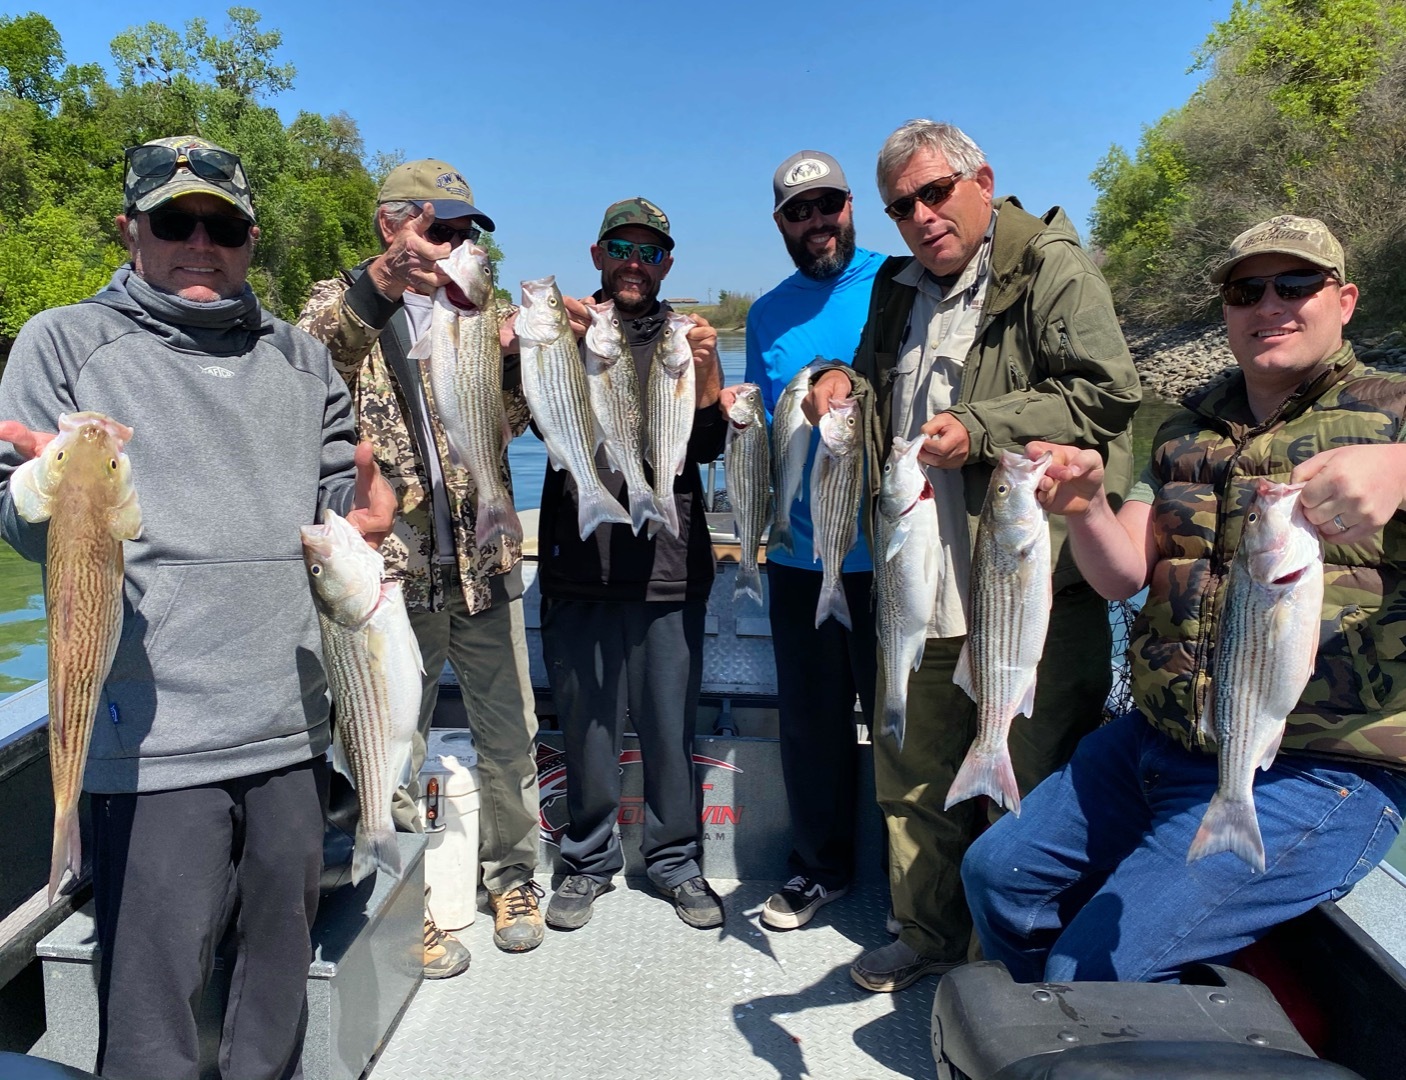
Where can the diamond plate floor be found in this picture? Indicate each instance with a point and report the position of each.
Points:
(638, 995)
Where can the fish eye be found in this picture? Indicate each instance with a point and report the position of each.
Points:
(315, 570)
(112, 464)
(552, 300)
(59, 455)
(1252, 517)
(1001, 489)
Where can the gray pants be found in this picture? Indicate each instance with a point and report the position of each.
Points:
(488, 653)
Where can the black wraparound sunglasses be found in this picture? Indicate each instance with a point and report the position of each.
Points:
(177, 225)
(1290, 285)
(832, 202)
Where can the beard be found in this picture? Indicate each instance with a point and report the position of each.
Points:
(821, 267)
(630, 300)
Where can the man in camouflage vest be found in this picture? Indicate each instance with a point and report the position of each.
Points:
(1092, 881)
(465, 598)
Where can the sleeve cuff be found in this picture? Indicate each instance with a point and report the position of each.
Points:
(369, 305)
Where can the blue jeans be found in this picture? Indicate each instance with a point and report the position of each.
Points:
(1091, 882)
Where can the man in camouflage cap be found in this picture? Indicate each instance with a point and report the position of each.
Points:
(1103, 889)
(622, 616)
(464, 597)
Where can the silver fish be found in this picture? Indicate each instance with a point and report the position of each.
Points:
(836, 489)
(1010, 615)
(614, 387)
(466, 383)
(375, 673)
(81, 484)
(1264, 658)
(671, 400)
(907, 575)
(790, 442)
(554, 381)
(747, 461)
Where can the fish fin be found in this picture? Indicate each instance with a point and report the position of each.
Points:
(505, 430)
(339, 752)
(832, 602)
(27, 490)
(1027, 699)
(1229, 825)
(598, 508)
(749, 583)
(644, 509)
(901, 532)
(781, 533)
(1206, 725)
(670, 518)
(374, 851)
(67, 853)
(125, 519)
(988, 773)
(1272, 750)
(918, 654)
(962, 675)
(895, 721)
(494, 520)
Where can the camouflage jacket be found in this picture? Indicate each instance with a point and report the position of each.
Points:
(1206, 461)
(348, 316)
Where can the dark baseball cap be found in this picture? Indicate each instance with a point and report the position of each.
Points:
(808, 170)
(437, 183)
(637, 211)
(164, 169)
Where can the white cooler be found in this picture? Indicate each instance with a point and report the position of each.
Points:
(449, 810)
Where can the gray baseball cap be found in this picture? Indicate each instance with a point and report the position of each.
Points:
(808, 170)
(164, 169)
(1307, 238)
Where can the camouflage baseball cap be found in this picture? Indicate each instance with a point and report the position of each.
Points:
(437, 183)
(1307, 238)
(808, 170)
(637, 211)
(164, 169)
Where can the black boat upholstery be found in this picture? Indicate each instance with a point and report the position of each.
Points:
(1174, 1061)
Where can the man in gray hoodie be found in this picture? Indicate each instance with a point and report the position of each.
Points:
(206, 770)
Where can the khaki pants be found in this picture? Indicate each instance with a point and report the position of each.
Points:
(926, 843)
(488, 653)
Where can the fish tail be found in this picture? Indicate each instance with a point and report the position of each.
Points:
(1229, 825)
(68, 850)
(895, 720)
(749, 583)
(670, 520)
(598, 508)
(832, 602)
(644, 509)
(496, 519)
(374, 851)
(781, 534)
(986, 772)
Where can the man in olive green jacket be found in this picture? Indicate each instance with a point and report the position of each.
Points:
(997, 331)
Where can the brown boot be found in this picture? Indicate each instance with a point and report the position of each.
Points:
(445, 955)
(517, 918)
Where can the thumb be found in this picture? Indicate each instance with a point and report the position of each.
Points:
(30, 444)
(1307, 470)
(366, 473)
(421, 224)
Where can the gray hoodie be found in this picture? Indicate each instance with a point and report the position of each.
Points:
(242, 432)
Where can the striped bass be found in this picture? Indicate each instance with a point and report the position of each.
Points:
(836, 489)
(554, 380)
(672, 399)
(613, 385)
(1010, 614)
(747, 462)
(790, 442)
(466, 384)
(81, 484)
(1264, 658)
(375, 674)
(907, 575)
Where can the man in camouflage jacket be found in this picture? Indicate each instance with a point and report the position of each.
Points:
(1092, 881)
(464, 598)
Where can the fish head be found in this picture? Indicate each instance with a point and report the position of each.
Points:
(470, 268)
(905, 482)
(1278, 543)
(542, 319)
(672, 351)
(345, 571)
(1010, 497)
(88, 450)
(605, 337)
(746, 406)
(839, 428)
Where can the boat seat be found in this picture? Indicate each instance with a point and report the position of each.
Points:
(24, 1067)
(1174, 1061)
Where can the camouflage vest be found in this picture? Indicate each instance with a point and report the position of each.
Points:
(1207, 460)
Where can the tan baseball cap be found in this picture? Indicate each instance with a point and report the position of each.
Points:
(1286, 234)
(437, 183)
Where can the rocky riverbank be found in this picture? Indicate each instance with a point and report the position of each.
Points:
(1173, 361)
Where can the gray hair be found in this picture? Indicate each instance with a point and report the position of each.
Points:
(954, 144)
(398, 212)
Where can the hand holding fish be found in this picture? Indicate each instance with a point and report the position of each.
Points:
(409, 261)
(727, 396)
(831, 386)
(578, 314)
(1074, 480)
(29, 443)
(1352, 491)
(948, 445)
(373, 505)
(703, 340)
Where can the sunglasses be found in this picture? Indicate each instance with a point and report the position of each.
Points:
(624, 251)
(933, 193)
(1290, 285)
(832, 202)
(160, 162)
(446, 234)
(177, 225)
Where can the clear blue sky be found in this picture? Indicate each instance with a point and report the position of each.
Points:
(554, 110)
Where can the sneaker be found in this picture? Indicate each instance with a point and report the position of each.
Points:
(894, 967)
(799, 899)
(697, 903)
(570, 908)
(517, 918)
(445, 955)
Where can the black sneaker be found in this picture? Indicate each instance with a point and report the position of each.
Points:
(697, 903)
(799, 899)
(570, 908)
